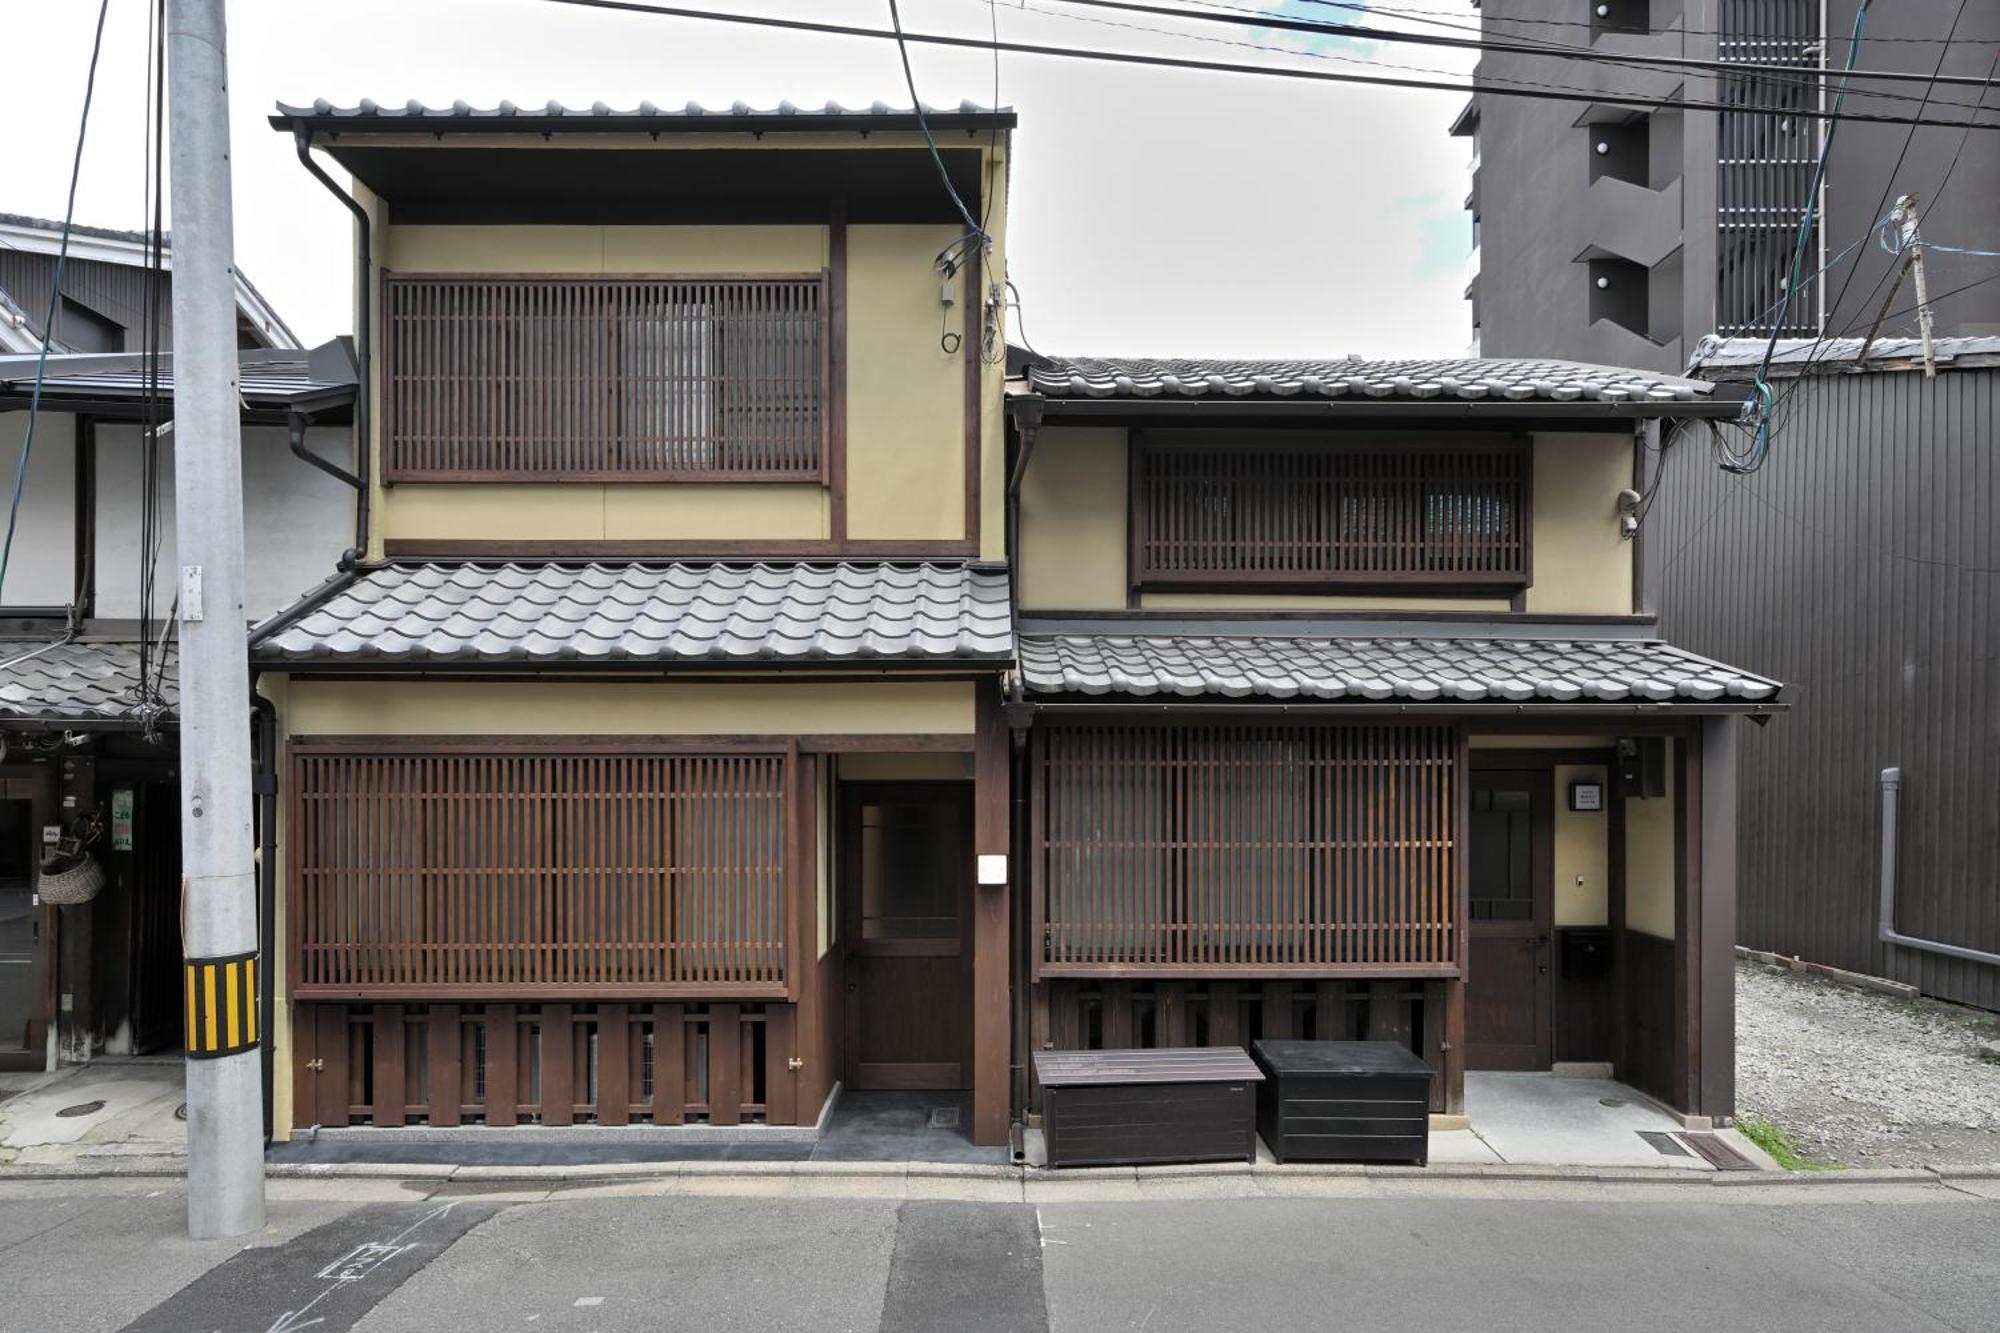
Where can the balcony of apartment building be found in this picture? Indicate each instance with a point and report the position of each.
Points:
(1632, 224)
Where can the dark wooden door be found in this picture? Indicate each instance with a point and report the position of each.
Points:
(906, 893)
(1511, 871)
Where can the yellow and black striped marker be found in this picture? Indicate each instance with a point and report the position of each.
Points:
(221, 1006)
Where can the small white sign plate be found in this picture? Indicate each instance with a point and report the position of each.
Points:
(993, 868)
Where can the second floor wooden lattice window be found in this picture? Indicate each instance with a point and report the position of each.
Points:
(605, 379)
(1331, 516)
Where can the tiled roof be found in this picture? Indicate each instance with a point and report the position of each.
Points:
(599, 115)
(1791, 354)
(87, 680)
(265, 377)
(1497, 379)
(1366, 669)
(667, 613)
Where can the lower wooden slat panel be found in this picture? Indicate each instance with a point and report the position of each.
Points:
(558, 1064)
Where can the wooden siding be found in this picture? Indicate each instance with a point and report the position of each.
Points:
(1861, 566)
(584, 379)
(1215, 848)
(1452, 516)
(435, 872)
(551, 1064)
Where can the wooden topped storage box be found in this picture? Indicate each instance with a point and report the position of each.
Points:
(1120, 1108)
(1343, 1101)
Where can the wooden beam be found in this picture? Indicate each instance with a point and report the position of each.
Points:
(992, 1010)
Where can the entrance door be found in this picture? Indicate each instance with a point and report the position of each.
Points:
(906, 893)
(26, 805)
(1512, 884)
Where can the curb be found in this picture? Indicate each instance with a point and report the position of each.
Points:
(438, 1173)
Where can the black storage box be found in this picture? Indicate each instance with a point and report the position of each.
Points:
(1121, 1108)
(1343, 1101)
(1585, 952)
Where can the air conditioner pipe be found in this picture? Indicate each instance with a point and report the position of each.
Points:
(1892, 786)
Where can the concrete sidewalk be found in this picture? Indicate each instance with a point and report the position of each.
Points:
(107, 1111)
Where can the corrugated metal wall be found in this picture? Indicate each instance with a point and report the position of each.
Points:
(1860, 567)
(115, 291)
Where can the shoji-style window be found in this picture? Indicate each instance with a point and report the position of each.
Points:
(1197, 848)
(605, 379)
(427, 870)
(1244, 514)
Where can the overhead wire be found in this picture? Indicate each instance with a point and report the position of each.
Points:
(152, 531)
(1420, 16)
(1143, 60)
(55, 298)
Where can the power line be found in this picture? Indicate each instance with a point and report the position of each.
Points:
(55, 297)
(1418, 16)
(1799, 80)
(1217, 67)
(1279, 23)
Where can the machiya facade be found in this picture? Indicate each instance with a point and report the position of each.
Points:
(756, 683)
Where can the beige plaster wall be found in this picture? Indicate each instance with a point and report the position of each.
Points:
(1582, 852)
(1075, 542)
(1649, 859)
(628, 707)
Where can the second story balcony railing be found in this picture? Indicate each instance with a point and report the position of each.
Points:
(591, 379)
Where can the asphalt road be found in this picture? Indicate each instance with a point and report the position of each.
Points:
(1486, 1258)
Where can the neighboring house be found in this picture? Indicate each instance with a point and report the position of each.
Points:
(1616, 233)
(1859, 563)
(666, 758)
(88, 690)
(109, 299)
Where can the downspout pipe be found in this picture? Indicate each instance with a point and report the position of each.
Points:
(364, 448)
(264, 786)
(1892, 787)
(295, 426)
(1027, 414)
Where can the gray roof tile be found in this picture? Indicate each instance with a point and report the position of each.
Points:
(1470, 379)
(368, 113)
(1715, 357)
(83, 681)
(1368, 669)
(682, 612)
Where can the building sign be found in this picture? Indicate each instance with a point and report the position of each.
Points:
(121, 819)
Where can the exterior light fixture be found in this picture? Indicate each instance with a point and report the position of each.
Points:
(1603, 283)
(1602, 148)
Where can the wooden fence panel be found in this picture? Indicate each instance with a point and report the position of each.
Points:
(592, 378)
(459, 875)
(1451, 516)
(553, 1064)
(1281, 850)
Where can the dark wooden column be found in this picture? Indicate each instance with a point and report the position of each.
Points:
(992, 1026)
(1715, 1055)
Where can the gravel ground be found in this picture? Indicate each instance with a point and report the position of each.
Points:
(1862, 1078)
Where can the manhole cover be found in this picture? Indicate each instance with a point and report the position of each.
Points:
(1611, 1101)
(81, 1108)
(944, 1117)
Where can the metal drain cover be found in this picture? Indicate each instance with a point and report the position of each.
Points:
(1664, 1143)
(944, 1117)
(81, 1108)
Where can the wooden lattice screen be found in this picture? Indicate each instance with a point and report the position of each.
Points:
(592, 378)
(1187, 848)
(1452, 516)
(446, 875)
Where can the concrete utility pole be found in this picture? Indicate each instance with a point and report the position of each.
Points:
(225, 1177)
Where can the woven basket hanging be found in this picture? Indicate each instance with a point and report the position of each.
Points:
(77, 883)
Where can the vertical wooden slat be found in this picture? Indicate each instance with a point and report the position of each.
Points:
(443, 1042)
(725, 1064)
(503, 1070)
(388, 1075)
(614, 1047)
(669, 1065)
(558, 1051)
(780, 1082)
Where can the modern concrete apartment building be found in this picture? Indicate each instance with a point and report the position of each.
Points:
(1612, 234)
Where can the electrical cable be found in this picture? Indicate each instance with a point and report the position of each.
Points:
(55, 298)
(1419, 16)
(1280, 23)
(152, 532)
(1133, 58)
(1765, 398)
(924, 124)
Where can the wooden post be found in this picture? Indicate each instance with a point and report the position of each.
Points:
(1717, 1026)
(503, 1065)
(992, 1012)
(1454, 1047)
(443, 1043)
(725, 1064)
(558, 1046)
(614, 1047)
(389, 1076)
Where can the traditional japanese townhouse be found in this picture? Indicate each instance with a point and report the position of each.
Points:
(648, 766)
(1342, 717)
(89, 698)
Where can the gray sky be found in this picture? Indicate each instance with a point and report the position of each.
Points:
(1161, 212)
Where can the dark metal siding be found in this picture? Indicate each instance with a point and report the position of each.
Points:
(1859, 567)
(115, 291)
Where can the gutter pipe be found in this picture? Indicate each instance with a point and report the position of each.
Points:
(1027, 413)
(264, 787)
(364, 449)
(1892, 785)
(295, 426)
